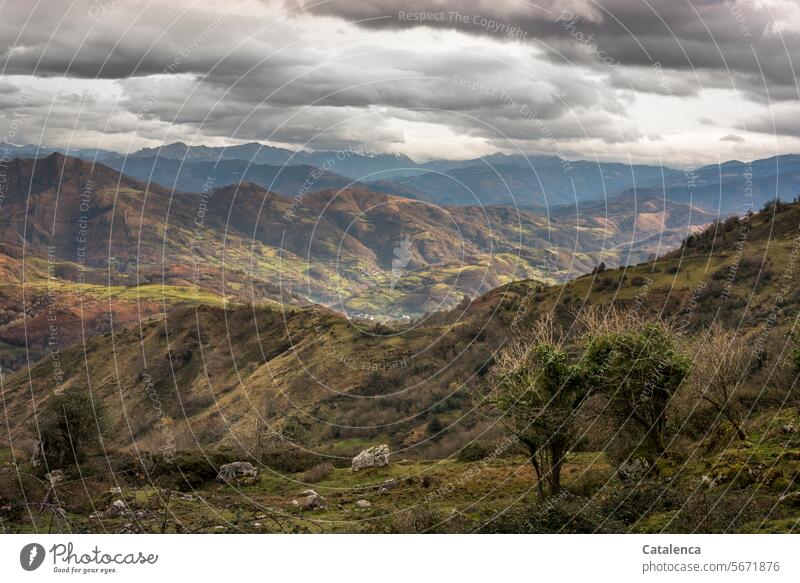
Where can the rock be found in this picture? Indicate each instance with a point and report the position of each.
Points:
(312, 500)
(388, 485)
(117, 508)
(633, 469)
(789, 428)
(374, 457)
(38, 454)
(237, 473)
(363, 503)
(115, 490)
(55, 477)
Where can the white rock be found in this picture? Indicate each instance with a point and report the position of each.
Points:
(312, 500)
(363, 503)
(374, 457)
(237, 473)
(117, 508)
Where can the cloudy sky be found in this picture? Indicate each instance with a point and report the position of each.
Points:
(682, 82)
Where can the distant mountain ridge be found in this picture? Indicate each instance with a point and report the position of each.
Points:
(528, 182)
(335, 247)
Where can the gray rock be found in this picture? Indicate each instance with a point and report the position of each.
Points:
(118, 508)
(363, 503)
(633, 469)
(374, 457)
(388, 485)
(312, 500)
(239, 473)
(37, 455)
(789, 428)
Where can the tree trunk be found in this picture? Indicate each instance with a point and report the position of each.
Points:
(555, 470)
(533, 450)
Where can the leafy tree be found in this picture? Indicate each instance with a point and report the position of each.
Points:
(638, 369)
(70, 425)
(538, 392)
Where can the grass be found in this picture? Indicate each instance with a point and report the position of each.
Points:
(475, 492)
(146, 292)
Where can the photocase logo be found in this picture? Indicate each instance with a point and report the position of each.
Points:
(31, 556)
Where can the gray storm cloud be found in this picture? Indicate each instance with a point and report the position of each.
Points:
(505, 74)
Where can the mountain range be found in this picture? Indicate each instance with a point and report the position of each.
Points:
(537, 183)
(97, 246)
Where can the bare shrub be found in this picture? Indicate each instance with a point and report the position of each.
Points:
(317, 473)
(722, 360)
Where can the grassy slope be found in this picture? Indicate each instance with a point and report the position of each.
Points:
(209, 401)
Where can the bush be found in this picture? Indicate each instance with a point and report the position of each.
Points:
(423, 519)
(317, 473)
(188, 469)
(435, 426)
(473, 452)
(70, 425)
(562, 514)
(289, 460)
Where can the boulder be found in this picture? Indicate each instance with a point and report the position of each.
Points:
(363, 503)
(374, 457)
(312, 500)
(237, 473)
(38, 454)
(117, 508)
(633, 469)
